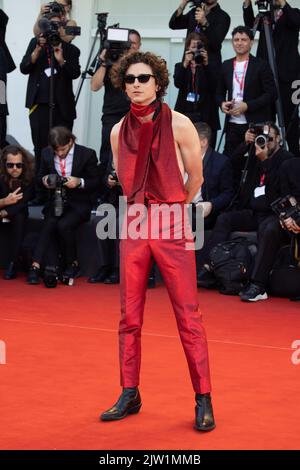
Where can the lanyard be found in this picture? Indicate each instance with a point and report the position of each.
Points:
(242, 82)
(62, 165)
(262, 180)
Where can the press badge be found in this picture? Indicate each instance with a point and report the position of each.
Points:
(48, 72)
(193, 97)
(260, 191)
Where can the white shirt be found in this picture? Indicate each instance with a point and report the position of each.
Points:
(238, 90)
(68, 161)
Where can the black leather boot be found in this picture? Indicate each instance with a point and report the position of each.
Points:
(128, 403)
(10, 272)
(204, 413)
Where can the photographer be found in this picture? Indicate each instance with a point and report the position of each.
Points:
(63, 8)
(196, 79)
(69, 171)
(246, 90)
(115, 102)
(36, 64)
(253, 208)
(285, 31)
(16, 188)
(205, 17)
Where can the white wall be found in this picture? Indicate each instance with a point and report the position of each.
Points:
(150, 17)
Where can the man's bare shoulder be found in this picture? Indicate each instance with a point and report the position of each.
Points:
(116, 129)
(181, 123)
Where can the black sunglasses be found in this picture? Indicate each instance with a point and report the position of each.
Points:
(17, 165)
(143, 78)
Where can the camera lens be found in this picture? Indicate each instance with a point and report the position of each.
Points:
(261, 141)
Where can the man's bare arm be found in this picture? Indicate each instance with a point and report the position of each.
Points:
(188, 141)
(114, 141)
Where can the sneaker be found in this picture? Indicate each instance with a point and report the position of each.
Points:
(71, 273)
(33, 277)
(253, 293)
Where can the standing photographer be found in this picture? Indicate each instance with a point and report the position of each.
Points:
(115, 103)
(196, 79)
(285, 30)
(16, 189)
(69, 171)
(36, 63)
(205, 17)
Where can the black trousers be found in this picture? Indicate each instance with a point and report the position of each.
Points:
(58, 232)
(271, 236)
(109, 248)
(291, 117)
(235, 135)
(16, 228)
(39, 124)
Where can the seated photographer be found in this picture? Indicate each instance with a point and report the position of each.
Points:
(217, 190)
(205, 17)
(260, 188)
(61, 7)
(69, 171)
(115, 101)
(36, 64)
(246, 90)
(273, 233)
(197, 81)
(16, 188)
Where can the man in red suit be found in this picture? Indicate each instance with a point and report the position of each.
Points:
(153, 147)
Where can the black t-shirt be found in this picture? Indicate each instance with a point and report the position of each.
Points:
(115, 101)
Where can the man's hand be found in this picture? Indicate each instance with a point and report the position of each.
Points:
(44, 180)
(200, 16)
(13, 197)
(226, 106)
(261, 153)
(280, 3)
(207, 208)
(73, 182)
(250, 137)
(247, 3)
(291, 225)
(188, 59)
(181, 7)
(112, 183)
(239, 108)
(58, 54)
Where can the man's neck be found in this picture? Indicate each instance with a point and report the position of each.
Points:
(243, 57)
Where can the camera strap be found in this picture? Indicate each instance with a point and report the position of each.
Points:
(62, 166)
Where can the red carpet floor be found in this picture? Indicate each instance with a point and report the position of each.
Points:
(62, 371)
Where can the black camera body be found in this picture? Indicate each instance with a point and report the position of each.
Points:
(261, 132)
(197, 3)
(57, 8)
(113, 175)
(57, 182)
(50, 31)
(287, 207)
(265, 6)
(116, 44)
(198, 57)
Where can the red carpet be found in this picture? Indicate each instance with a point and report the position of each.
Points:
(62, 371)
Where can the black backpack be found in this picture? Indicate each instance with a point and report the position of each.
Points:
(231, 263)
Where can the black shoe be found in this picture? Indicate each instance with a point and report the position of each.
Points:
(206, 279)
(114, 278)
(204, 413)
(10, 272)
(33, 277)
(128, 403)
(100, 275)
(151, 281)
(253, 293)
(50, 277)
(71, 273)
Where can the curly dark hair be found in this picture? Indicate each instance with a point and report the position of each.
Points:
(27, 159)
(157, 64)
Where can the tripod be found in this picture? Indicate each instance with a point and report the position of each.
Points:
(51, 94)
(266, 19)
(91, 68)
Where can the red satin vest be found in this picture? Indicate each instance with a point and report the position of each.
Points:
(156, 175)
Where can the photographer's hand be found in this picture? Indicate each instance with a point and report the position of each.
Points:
(41, 41)
(188, 57)
(73, 182)
(291, 225)
(247, 3)
(204, 55)
(97, 80)
(181, 7)
(200, 16)
(44, 180)
(58, 54)
(240, 108)
(112, 183)
(249, 137)
(226, 106)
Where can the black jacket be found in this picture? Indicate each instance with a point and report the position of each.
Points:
(219, 23)
(290, 178)
(218, 182)
(63, 90)
(259, 92)
(22, 205)
(205, 85)
(84, 166)
(286, 39)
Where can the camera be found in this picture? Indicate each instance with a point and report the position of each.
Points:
(261, 132)
(50, 31)
(57, 182)
(287, 207)
(55, 7)
(114, 176)
(265, 6)
(73, 30)
(197, 3)
(198, 57)
(50, 277)
(116, 43)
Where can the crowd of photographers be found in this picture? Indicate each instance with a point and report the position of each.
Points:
(243, 187)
